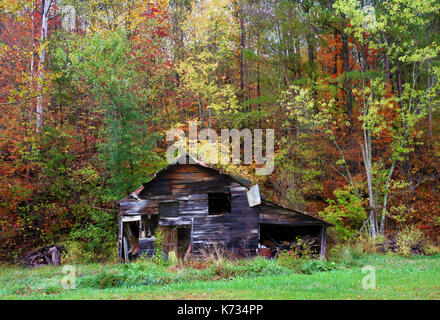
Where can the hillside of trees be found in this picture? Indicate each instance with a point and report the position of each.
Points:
(88, 90)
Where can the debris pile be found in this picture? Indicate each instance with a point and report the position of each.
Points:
(43, 256)
(391, 245)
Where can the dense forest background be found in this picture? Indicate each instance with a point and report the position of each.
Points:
(88, 90)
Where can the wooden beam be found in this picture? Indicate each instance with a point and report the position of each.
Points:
(120, 241)
(291, 223)
(130, 218)
(140, 227)
(323, 239)
(126, 248)
(192, 235)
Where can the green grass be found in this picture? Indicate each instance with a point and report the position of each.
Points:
(396, 278)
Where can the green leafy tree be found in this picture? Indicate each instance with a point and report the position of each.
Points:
(346, 212)
(370, 28)
(106, 63)
(206, 70)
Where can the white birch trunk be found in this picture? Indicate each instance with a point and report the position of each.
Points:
(366, 155)
(385, 199)
(46, 4)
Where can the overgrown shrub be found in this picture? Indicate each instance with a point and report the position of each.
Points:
(215, 253)
(129, 275)
(159, 255)
(349, 255)
(316, 265)
(408, 239)
(431, 249)
(345, 212)
(109, 280)
(372, 244)
(258, 266)
(147, 272)
(304, 264)
(76, 253)
(290, 260)
(96, 241)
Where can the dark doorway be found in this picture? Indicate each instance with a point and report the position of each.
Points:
(285, 237)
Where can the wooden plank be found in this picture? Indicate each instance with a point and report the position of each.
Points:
(189, 185)
(125, 248)
(120, 241)
(130, 218)
(292, 223)
(174, 221)
(323, 239)
(237, 189)
(136, 206)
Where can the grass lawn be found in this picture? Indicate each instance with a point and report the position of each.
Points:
(396, 278)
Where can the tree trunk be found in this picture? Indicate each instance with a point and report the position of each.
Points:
(387, 61)
(385, 200)
(248, 107)
(241, 60)
(372, 199)
(347, 84)
(45, 8)
(399, 78)
(311, 61)
(258, 92)
(429, 105)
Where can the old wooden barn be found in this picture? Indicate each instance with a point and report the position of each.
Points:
(197, 206)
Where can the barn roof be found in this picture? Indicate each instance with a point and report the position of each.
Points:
(242, 181)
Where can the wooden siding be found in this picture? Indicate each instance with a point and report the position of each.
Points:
(189, 185)
(271, 214)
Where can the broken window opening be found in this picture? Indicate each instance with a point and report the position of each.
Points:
(169, 209)
(219, 203)
(149, 225)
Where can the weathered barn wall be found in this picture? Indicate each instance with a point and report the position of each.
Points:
(189, 185)
(195, 187)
